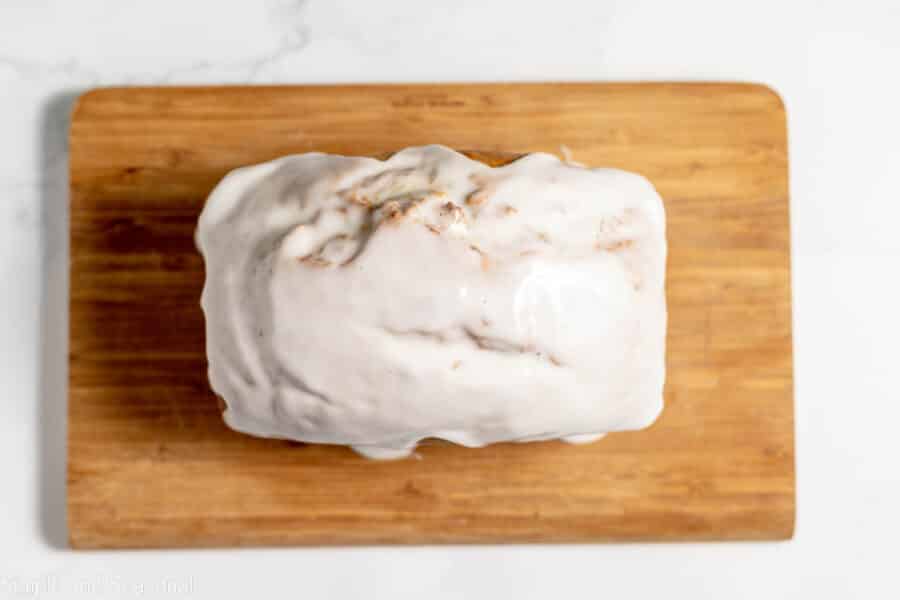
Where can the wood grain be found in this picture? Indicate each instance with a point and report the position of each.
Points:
(152, 465)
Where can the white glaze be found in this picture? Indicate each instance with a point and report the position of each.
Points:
(374, 303)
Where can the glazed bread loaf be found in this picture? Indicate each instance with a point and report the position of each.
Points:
(474, 297)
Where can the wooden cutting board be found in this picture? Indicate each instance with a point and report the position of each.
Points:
(152, 465)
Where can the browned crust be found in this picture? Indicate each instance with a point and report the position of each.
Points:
(491, 158)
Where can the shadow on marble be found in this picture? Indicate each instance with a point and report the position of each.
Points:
(54, 321)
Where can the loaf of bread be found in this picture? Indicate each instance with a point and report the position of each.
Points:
(472, 297)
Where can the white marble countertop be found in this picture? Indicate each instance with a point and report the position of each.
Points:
(836, 66)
